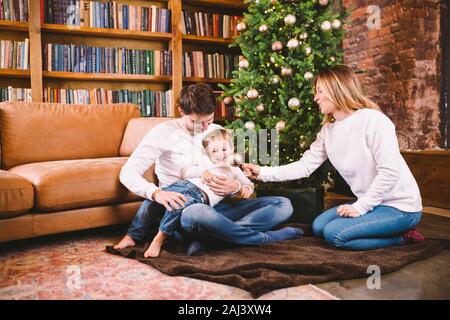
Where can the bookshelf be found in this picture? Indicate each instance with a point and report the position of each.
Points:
(41, 33)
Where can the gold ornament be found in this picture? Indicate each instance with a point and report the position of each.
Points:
(326, 25)
(336, 23)
(243, 63)
(250, 125)
(280, 125)
(292, 44)
(252, 94)
(277, 46)
(308, 51)
(286, 71)
(294, 103)
(263, 28)
(304, 35)
(308, 75)
(323, 3)
(290, 20)
(228, 100)
(241, 26)
(260, 107)
(275, 79)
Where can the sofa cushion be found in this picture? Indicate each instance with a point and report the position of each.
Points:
(136, 130)
(36, 132)
(16, 195)
(69, 184)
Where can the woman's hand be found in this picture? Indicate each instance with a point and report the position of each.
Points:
(223, 186)
(251, 170)
(347, 211)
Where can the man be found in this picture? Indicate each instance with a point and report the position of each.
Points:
(173, 145)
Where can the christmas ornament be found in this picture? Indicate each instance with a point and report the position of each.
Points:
(304, 35)
(277, 46)
(323, 3)
(263, 28)
(290, 19)
(260, 107)
(252, 94)
(333, 59)
(308, 51)
(241, 26)
(275, 79)
(286, 71)
(280, 125)
(336, 24)
(243, 63)
(228, 100)
(294, 103)
(250, 125)
(292, 44)
(308, 75)
(272, 59)
(326, 25)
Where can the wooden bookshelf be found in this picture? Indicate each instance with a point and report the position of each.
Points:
(40, 34)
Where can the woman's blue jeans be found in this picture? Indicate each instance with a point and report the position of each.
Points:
(243, 222)
(382, 227)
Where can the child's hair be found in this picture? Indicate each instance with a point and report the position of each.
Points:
(197, 98)
(342, 87)
(218, 134)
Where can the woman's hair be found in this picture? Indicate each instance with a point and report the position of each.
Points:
(218, 134)
(342, 87)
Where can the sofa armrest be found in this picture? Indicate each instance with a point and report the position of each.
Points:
(136, 129)
(16, 195)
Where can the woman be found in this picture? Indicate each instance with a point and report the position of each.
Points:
(361, 143)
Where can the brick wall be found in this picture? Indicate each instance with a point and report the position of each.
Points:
(402, 59)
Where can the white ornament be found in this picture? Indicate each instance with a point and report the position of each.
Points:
(260, 107)
(336, 23)
(241, 26)
(333, 59)
(275, 79)
(290, 19)
(308, 51)
(252, 94)
(294, 103)
(277, 46)
(263, 28)
(250, 125)
(308, 75)
(323, 2)
(292, 44)
(326, 25)
(285, 71)
(243, 63)
(304, 35)
(272, 59)
(280, 125)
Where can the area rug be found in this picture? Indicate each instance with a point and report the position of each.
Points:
(261, 269)
(75, 266)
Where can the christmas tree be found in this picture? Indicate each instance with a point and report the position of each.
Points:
(284, 44)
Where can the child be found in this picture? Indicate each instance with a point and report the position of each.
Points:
(219, 149)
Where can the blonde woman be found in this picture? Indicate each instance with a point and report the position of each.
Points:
(361, 143)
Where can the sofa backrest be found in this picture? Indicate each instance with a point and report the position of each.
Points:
(136, 130)
(34, 132)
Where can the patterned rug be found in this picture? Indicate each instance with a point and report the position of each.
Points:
(75, 266)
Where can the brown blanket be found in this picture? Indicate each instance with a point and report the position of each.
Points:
(261, 269)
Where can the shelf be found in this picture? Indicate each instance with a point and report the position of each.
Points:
(105, 32)
(234, 4)
(208, 40)
(13, 25)
(207, 80)
(14, 73)
(105, 77)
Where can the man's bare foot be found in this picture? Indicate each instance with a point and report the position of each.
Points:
(126, 242)
(155, 247)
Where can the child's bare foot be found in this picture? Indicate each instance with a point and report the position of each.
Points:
(155, 247)
(126, 242)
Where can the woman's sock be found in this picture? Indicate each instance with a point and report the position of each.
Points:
(285, 234)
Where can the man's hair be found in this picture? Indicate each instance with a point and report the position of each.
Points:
(197, 98)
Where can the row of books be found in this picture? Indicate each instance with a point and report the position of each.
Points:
(207, 24)
(151, 103)
(14, 10)
(224, 111)
(15, 94)
(205, 65)
(14, 54)
(107, 15)
(73, 58)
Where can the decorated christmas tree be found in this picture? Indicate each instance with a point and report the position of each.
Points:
(284, 44)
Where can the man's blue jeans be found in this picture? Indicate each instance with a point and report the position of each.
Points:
(382, 227)
(243, 222)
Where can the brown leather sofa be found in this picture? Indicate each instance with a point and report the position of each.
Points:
(60, 166)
